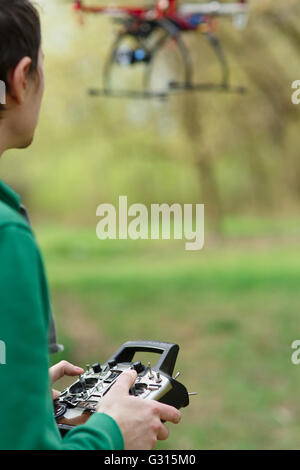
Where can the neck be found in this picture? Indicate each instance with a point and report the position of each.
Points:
(2, 146)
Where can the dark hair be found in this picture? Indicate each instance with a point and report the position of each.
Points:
(20, 36)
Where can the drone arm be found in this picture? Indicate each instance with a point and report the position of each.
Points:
(214, 8)
(113, 11)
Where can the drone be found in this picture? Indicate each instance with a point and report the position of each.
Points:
(150, 29)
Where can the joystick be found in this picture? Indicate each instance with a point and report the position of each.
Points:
(96, 368)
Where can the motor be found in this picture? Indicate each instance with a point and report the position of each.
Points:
(126, 56)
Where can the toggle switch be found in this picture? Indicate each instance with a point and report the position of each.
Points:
(158, 378)
(151, 375)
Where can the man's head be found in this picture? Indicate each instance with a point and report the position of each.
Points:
(21, 69)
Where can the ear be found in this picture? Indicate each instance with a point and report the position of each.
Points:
(19, 80)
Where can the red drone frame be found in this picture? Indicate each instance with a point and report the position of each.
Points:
(152, 27)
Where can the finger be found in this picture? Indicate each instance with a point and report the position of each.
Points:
(72, 370)
(168, 413)
(64, 368)
(163, 433)
(125, 381)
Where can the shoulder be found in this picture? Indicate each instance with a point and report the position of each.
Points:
(9, 216)
(17, 246)
(15, 233)
(16, 237)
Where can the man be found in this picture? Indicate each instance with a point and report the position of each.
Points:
(26, 406)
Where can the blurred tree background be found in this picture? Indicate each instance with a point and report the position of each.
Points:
(232, 307)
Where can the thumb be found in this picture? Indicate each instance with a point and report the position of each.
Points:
(125, 381)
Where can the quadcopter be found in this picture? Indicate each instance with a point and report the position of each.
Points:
(149, 29)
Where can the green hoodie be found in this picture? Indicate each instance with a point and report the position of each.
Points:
(26, 407)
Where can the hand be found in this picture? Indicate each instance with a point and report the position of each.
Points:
(60, 370)
(139, 420)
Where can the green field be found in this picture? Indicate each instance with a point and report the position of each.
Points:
(233, 308)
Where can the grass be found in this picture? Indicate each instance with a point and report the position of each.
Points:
(233, 308)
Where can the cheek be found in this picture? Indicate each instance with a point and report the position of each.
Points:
(34, 105)
(41, 87)
(39, 92)
(42, 83)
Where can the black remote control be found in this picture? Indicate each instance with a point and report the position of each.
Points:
(77, 402)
